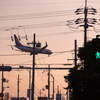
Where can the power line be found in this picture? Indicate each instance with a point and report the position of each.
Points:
(43, 35)
(13, 54)
(41, 3)
(92, 1)
(26, 79)
(55, 34)
(58, 52)
(59, 83)
(34, 26)
(37, 15)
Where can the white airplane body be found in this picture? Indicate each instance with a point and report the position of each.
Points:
(29, 49)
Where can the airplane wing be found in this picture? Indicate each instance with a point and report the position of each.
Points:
(42, 48)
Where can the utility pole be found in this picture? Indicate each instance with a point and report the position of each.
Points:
(48, 82)
(29, 69)
(40, 93)
(29, 82)
(2, 85)
(67, 94)
(85, 22)
(58, 89)
(33, 74)
(75, 57)
(75, 60)
(53, 87)
(18, 88)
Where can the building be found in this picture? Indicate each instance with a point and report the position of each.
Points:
(7, 96)
(21, 98)
(58, 96)
(42, 98)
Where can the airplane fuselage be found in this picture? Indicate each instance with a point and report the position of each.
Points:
(30, 49)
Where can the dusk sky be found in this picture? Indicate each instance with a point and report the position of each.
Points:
(48, 20)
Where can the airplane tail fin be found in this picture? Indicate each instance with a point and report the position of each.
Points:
(16, 41)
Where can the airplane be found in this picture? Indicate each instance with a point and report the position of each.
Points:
(38, 50)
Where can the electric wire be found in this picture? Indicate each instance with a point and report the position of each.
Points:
(28, 80)
(41, 3)
(41, 77)
(41, 25)
(36, 15)
(44, 35)
(59, 83)
(21, 89)
(23, 63)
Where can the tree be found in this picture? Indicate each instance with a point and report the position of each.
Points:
(84, 80)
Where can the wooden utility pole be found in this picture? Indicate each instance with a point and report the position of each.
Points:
(48, 82)
(53, 87)
(18, 88)
(29, 82)
(2, 85)
(33, 74)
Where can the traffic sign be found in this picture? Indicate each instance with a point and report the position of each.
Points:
(5, 68)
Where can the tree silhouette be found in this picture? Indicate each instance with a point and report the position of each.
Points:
(84, 80)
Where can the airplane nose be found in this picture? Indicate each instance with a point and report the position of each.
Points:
(47, 51)
(50, 52)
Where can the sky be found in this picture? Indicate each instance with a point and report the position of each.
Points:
(48, 20)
